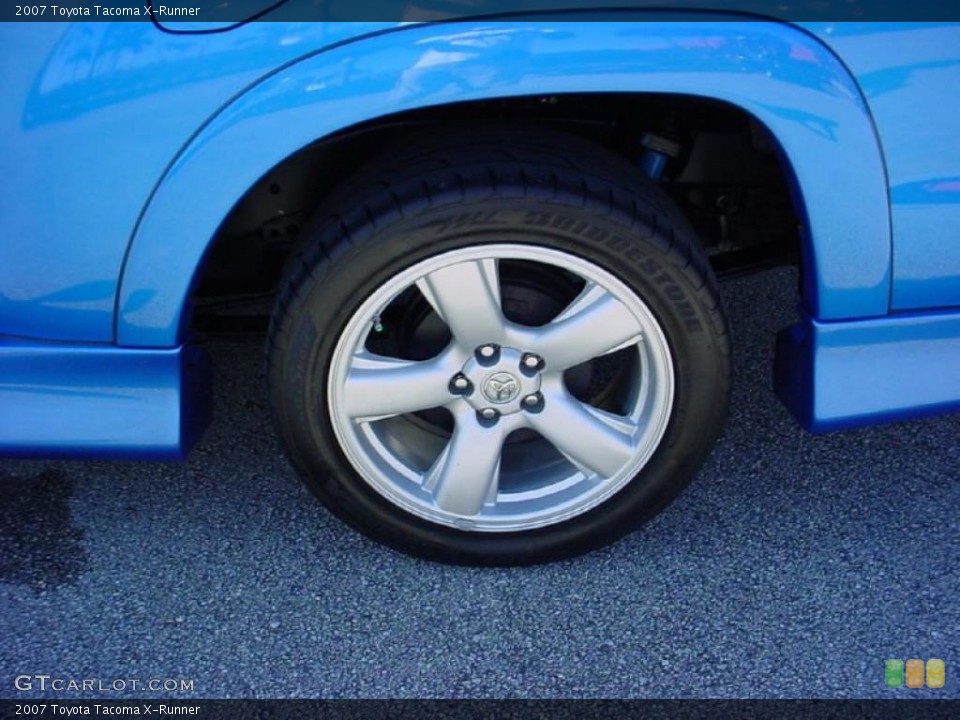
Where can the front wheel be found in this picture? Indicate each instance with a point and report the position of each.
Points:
(500, 361)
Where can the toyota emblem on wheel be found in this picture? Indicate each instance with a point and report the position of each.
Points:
(501, 387)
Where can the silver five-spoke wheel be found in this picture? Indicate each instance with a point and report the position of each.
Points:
(499, 346)
(523, 451)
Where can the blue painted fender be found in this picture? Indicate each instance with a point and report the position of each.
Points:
(784, 77)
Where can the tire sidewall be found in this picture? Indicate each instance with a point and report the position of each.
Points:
(641, 256)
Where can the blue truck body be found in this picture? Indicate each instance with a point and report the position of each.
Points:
(124, 146)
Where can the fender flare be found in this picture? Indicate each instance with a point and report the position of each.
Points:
(777, 73)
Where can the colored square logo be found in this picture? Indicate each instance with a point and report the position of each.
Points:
(893, 673)
(914, 673)
(936, 673)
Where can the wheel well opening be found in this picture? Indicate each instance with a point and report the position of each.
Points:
(721, 167)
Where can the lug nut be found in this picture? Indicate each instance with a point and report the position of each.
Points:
(532, 361)
(460, 385)
(533, 402)
(488, 354)
(488, 417)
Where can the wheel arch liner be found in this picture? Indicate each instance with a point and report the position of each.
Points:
(780, 75)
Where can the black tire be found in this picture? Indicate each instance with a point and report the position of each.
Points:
(531, 189)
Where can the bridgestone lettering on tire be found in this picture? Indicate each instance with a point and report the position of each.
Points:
(502, 347)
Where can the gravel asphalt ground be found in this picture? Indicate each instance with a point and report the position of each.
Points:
(791, 568)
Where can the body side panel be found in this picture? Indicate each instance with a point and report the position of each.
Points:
(909, 74)
(92, 115)
(100, 401)
(849, 374)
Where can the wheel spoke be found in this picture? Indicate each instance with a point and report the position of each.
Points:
(589, 437)
(467, 472)
(378, 387)
(594, 324)
(467, 298)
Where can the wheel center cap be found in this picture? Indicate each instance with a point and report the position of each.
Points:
(501, 387)
(500, 382)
